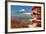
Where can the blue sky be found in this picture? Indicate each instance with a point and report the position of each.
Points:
(17, 8)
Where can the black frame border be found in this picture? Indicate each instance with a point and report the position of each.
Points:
(6, 30)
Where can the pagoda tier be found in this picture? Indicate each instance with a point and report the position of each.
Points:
(37, 15)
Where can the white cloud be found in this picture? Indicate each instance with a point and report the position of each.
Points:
(21, 10)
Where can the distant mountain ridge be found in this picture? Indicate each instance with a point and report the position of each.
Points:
(21, 16)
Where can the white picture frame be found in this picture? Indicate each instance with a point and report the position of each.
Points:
(9, 29)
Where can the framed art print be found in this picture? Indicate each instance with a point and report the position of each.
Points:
(24, 16)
